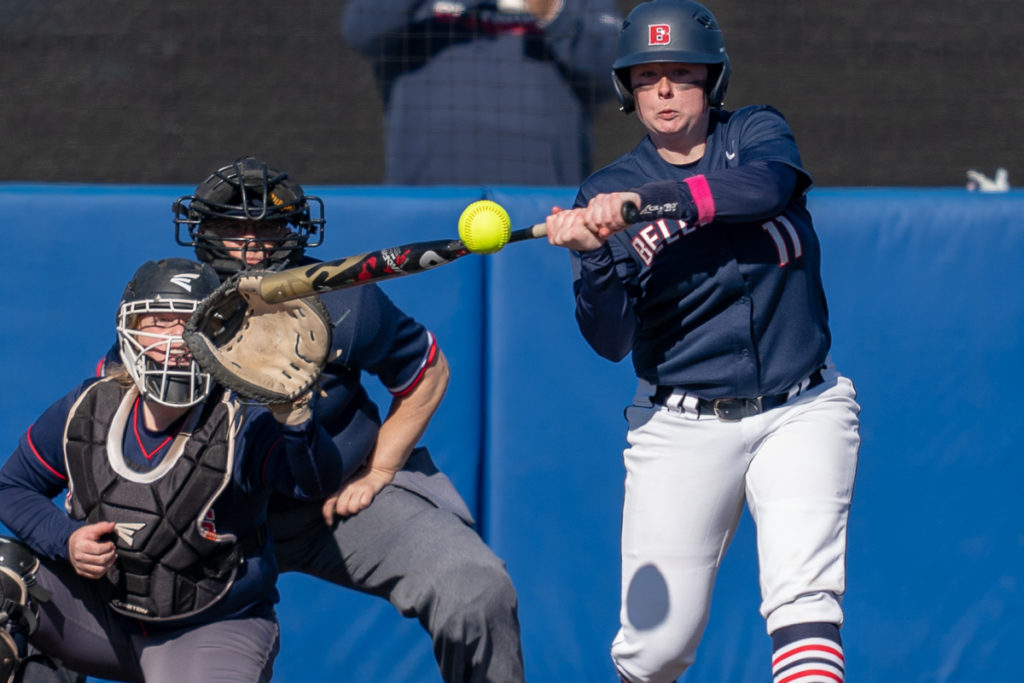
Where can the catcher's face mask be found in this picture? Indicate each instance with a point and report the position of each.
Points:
(150, 321)
(154, 352)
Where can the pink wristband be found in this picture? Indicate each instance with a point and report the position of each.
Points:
(702, 199)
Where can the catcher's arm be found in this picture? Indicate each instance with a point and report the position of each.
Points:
(405, 424)
(294, 413)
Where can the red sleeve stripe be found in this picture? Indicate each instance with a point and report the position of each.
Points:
(100, 367)
(28, 437)
(702, 199)
(428, 359)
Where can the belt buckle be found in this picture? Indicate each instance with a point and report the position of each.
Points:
(735, 409)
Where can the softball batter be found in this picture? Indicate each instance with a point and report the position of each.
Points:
(717, 294)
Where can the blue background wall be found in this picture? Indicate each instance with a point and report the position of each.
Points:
(928, 318)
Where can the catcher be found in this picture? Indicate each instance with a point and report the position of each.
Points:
(160, 568)
(407, 535)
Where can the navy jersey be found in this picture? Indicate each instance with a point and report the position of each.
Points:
(300, 462)
(727, 300)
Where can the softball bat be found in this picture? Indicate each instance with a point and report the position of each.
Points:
(387, 263)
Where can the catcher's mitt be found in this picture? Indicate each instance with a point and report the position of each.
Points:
(271, 353)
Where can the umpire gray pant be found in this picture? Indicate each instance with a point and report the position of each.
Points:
(423, 558)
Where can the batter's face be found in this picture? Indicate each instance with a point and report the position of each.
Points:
(671, 100)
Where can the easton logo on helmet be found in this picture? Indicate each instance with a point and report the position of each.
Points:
(660, 34)
(184, 280)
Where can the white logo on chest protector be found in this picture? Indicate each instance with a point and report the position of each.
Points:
(126, 531)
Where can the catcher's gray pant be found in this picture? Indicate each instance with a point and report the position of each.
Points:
(76, 627)
(426, 560)
(38, 667)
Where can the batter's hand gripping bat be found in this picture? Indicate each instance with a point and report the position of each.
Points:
(383, 264)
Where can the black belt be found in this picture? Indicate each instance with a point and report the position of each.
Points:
(733, 409)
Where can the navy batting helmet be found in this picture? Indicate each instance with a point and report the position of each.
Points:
(671, 31)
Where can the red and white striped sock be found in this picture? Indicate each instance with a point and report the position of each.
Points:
(807, 653)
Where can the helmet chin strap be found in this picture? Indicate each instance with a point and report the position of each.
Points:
(179, 390)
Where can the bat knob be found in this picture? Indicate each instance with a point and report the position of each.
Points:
(630, 213)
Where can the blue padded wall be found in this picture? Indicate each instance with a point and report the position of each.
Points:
(928, 319)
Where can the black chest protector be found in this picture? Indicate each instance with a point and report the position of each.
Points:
(168, 565)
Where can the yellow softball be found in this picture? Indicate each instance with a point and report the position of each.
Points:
(484, 227)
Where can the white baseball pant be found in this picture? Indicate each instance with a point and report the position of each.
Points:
(687, 479)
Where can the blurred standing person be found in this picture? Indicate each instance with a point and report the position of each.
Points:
(484, 91)
(717, 294)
